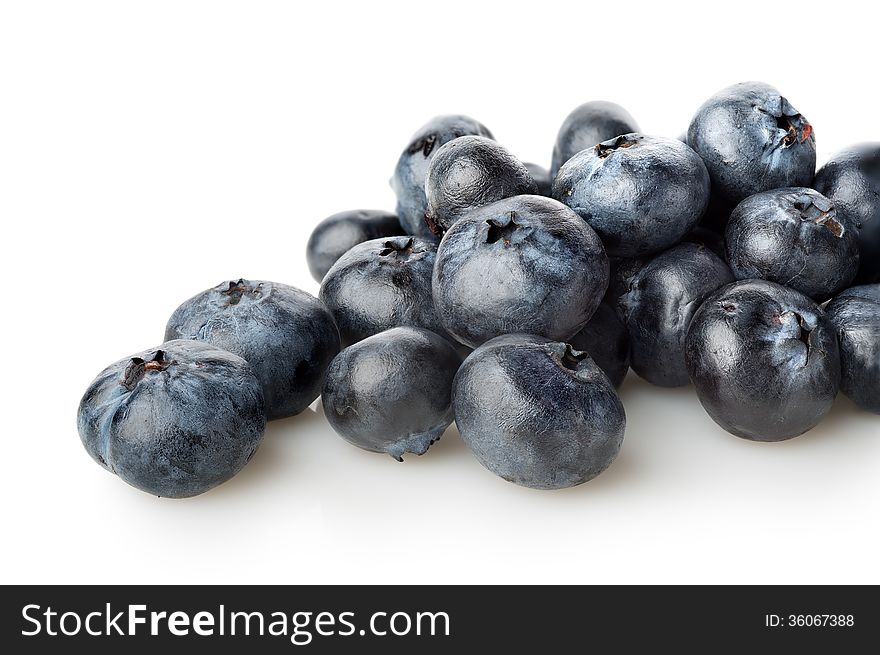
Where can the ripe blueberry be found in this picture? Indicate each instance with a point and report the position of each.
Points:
(752, 140)
(640, 193)
(469, 172)
(660, 300)
(174, 421)
(524, 264)
(537, 413)
(764, 360)
(286, 335)
(855, 314)
(851, 179)
(381, 284)
(408, 181)
(391, 392)
(794, 237)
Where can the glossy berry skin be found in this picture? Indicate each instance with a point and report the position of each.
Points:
(590, 123)
(524, 264)
(851, 179)
(640, 193)
(660, 300)
(470, 172)
(605, 339)
(339, 233)
(752, 140)
(174, 421)
(391, 393)
(538, 413)
(763, 359)
(408, 181)
(794, 237)
(542, 178)
(382, 284)
(855, 314)
(286, 335)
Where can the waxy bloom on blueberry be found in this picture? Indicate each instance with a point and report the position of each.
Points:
(537, 412)
(176, 420)
(286, 335)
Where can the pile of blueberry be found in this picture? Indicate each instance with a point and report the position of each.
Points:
(513, 300)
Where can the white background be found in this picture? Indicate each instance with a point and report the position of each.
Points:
(150, 150)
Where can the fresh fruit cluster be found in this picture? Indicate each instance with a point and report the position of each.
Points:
(706, 259)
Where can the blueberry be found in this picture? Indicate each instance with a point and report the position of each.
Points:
(641, 194)
(541, 176)
(606, 341)
(764, 360)
(851, 179)
(408, 181)
(469, 172)
(391, 392)
(589, 124)
(537, 413)
(795, 237)
(523, 264)
(855, 314)
(174, 421)
(752, 140)
(660, 300)
(381, 284)
(337, 234)
(286, 335)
